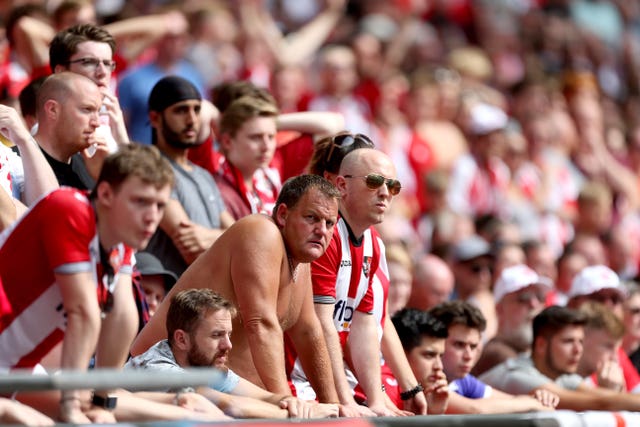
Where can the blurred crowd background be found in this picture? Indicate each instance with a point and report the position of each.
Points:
(516, 120)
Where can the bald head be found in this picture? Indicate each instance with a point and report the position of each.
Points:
(334, 56)
(432, 283)
(68, 114)
(359, 162)
(366, 183)
(62, 86)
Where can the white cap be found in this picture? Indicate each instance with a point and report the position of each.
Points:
(470, 248)
(517, 277)
(486, 118)
(593, 279)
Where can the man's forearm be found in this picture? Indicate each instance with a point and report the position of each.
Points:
(394, 356)
(79, 343)
(119, 327)
(39, 177)
(80, 340)
(8, 211)
(267, 350)
(316, 363)
(345, 395)
(241, 406)
(366, 360)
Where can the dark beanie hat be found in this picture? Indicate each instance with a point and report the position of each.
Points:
(170, 90)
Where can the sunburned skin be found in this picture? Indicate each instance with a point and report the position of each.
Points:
(242, 266)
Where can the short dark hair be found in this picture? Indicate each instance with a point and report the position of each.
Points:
(65, 43)
(459, 313)
(188, 307)
(553, 319)
(318, 164)
(143, 161)
(296, 187)
(28, 96)
(413, 324)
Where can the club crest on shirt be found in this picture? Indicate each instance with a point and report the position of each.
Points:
(366, 266)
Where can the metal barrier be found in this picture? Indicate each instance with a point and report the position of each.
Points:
(108, 379)
(142, 380)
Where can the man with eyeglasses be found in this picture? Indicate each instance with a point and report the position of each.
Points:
(343, 276)
(88, 50)
(520, 295)
(598, 283)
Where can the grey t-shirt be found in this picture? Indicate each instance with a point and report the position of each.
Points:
(198, 194)
(159, 358)
(520, 376)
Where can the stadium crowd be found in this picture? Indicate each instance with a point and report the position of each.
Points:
(398, 207)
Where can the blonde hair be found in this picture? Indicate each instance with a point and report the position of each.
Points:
(471, 62)
(600, 317)
(595, 192)
(244, 109)
(398, 254)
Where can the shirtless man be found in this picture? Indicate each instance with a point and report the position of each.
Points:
(261, 265)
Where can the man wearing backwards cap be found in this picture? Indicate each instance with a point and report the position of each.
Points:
(601, 284)
(519, 295)
(196, 214)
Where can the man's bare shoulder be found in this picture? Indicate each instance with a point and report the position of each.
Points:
(255, 220)
(256, 224)
(249, 234)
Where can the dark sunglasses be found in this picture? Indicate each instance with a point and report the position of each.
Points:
(603, 298)
(342, 140)
(478, 268)
(375, 181)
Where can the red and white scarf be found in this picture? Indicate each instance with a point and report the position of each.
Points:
(266, 186)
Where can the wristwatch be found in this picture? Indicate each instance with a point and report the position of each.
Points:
(106, 402)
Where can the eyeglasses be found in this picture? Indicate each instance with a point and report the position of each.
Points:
(93, 63)
(528, 296)
(375, 181)
(342, 140)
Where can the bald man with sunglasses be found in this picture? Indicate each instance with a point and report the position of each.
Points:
(342, 281)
